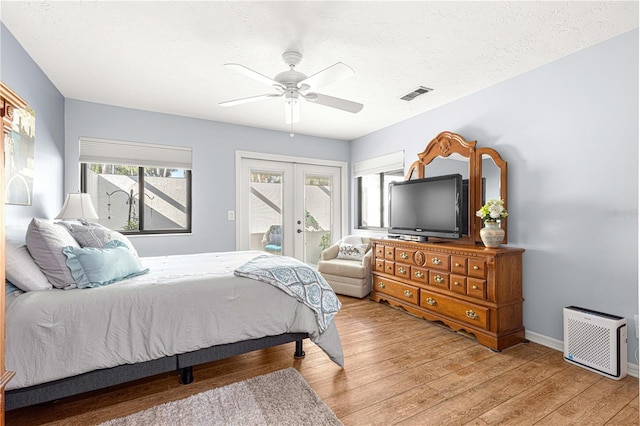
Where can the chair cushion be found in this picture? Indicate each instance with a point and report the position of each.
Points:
(351, 251)
(275, 239)
(342, 267)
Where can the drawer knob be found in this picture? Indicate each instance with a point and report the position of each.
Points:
(457, 265)
(419, 274)
(475, 287)
(408, 293)
(380, 285)
(476, 267)
(436, 261)
(404, 255)
(456, 283)
(471, 314)
(438, 279)
(402, 271)
(431, 301)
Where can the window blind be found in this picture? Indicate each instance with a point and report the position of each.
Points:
(384, 163)
(134, 154)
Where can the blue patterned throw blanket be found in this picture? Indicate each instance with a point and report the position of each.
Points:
(298, 281)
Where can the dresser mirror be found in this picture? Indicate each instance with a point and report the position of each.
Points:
(493, 170)
(483, 171)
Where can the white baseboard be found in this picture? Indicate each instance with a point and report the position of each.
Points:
(632, 369)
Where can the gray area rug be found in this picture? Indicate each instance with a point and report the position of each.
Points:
(279, 398)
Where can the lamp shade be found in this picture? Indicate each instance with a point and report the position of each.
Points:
(78, 206)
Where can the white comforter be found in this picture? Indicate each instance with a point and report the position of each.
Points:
(185, 303)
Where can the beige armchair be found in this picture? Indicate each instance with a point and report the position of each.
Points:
(346, 266)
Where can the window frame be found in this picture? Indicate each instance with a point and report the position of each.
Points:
(141, 230)
(359, 208)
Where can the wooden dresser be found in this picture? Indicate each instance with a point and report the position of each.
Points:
(467, 287)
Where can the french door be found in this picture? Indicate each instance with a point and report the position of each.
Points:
(289, 206)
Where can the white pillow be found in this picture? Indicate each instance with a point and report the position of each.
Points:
(21, 270)
(352, 251)
(45, 241)
(95, 235)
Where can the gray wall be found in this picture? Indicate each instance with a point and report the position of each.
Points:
(23, 76)
(214, 145)
(569, 131)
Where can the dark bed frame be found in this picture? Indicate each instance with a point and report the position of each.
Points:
(182, 363)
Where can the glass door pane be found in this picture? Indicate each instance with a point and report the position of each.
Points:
(287, 208)
(265, 211)
(317, 210)
(319, 203)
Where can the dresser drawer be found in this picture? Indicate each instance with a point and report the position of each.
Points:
(477, 288)
(458, 284)
(459, 265)
(456, 309)
(389, 267)
(405, 256)
(389, 253)
(403, 270)
(395, 289)
(439, 279)
(477, 268)
(379, 252)
(379, 266)
(420, 275)
(437, 261)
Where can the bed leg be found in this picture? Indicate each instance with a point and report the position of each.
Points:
(299, 353)
(186, 375)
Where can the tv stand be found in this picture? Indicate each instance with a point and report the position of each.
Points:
(467, 287)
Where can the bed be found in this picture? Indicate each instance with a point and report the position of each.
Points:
(184, 311)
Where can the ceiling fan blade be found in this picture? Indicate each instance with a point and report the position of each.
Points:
(248, 72)
(332, 102)
(328, 75)
(249, 99)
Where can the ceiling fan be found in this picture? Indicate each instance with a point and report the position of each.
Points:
(294, 85)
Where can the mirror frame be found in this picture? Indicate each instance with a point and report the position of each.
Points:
(448, 143)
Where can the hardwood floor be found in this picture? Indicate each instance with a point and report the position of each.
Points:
(399, 370)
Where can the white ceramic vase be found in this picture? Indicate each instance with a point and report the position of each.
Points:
(492, 235)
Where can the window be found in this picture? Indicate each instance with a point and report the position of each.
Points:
(372, 186)
(132, 195)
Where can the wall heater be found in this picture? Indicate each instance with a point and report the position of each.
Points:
(596, 341)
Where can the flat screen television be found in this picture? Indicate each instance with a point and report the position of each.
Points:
(429, 207)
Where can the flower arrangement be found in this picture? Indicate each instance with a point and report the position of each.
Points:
(493, 211)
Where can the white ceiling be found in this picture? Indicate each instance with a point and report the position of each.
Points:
(168, 56)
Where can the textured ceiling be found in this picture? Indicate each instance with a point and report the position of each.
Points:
(168, 56)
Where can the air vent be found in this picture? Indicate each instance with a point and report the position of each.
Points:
(412, 95)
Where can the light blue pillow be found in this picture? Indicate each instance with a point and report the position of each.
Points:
(10, 288)
(95, 267)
